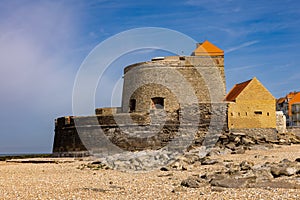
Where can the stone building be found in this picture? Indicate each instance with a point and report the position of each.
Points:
(157, 84)
(251, 105)
(175, 85)
(167, 100)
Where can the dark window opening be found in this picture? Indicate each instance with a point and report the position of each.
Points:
(231, 114)
(157, 103)
(268, 114)
(258, 112)
(246, 113)
(132, 105)
(239, 114)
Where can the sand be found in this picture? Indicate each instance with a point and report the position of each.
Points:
(66, 179)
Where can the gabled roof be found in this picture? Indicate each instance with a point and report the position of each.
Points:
(236, 90)
(207, 49)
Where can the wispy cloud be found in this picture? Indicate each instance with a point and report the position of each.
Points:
(242, 68)
(246, 44)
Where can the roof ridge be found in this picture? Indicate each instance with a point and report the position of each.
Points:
(236, 90)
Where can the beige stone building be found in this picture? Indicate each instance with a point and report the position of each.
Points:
(167, 83)
(251, 105)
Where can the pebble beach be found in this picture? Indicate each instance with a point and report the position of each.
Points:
(67, 178)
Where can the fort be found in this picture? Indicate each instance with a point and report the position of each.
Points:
(176, 99)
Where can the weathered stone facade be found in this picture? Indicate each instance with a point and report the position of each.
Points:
(177, 79)
(146, 131)
(181, 85)
(171, 102)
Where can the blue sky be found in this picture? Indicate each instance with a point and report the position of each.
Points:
(42, 45)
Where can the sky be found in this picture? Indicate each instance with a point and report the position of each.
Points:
(44, 42)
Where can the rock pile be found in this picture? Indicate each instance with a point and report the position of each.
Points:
(238, 142)
(248, 175)
(228, 143)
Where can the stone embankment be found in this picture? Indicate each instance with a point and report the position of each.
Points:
(228, 143)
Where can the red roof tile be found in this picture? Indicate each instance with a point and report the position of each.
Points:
(236, 90)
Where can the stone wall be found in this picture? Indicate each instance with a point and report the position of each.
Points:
(260, 134)
(137, 131)
(66, 139)
(179, 80)
(107, 111)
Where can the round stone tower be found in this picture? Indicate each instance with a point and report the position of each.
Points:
(171, 82)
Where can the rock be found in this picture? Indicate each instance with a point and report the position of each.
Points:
(237, 140)
(283, 171)
(247, 141)
(261, 147)
(238, 134)
(245, 165)
(294, 140)
(233, 182)
(179, 165)
(234, 169)
(164, 175)
(217, 189)
(225, 151)
(190, 183)
(291, 171)
(239, 150)
(214, 151)
(208, 161)
(193, 182)
(282, 141)
(164, 169)
(262, 174)
(285, 161)
(231, 146)
(223, 137)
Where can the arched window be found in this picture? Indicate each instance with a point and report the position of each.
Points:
(157, 103)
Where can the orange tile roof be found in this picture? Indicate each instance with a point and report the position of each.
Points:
(206, 48)
(236, 90)
(291, 95)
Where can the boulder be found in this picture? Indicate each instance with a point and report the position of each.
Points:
(283, 171)
(194, 182)
(233, 182)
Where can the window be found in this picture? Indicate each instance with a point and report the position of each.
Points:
(132, 105)
(258, 112)
(268, 113)
(157, 103)
(246, 113)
